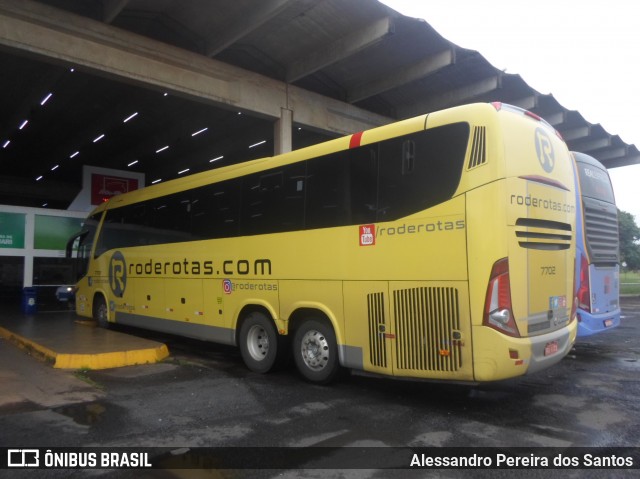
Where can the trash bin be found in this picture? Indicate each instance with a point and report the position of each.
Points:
(29, 296)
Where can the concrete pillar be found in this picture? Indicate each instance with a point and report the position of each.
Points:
(282, 132)
(29, 245)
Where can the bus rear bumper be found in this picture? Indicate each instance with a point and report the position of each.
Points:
(548, 349)
(589, 324)
(504, 357)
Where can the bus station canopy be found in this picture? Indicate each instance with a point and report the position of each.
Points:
(175, 87)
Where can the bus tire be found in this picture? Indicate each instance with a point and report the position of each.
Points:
(100, 312)
(260, 343)
(315, 351)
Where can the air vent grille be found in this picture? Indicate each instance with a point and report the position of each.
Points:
(601, 226)
(478, 147)
(377, 327)
(543, 234)
(427, 322)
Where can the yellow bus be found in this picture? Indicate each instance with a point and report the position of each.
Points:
(438, 247)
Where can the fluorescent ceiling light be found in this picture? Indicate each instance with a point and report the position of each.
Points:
(156, 181)
(46, 99)
(55, 168)
(132, 163)
(98, 138)
(162, 149)
(6, 143)
(23, 124)
(39, 178)
(183, 171)
(199, 131)
(130, 117)
(216, 159)
(257, 144)
(73, 155)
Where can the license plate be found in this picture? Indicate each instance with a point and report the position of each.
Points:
(608, 323)
(551, 348)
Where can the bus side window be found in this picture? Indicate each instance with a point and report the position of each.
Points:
(420, 170)
(109, 237)
(273, 200)
(328, 202)
(170, 217)
(215, 210)
(363, 184)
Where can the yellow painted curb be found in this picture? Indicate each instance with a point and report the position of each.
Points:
(114, 359)
(25, 343)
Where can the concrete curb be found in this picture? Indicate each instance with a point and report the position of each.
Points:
(105, 360)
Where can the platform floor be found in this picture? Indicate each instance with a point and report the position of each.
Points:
(70, 342)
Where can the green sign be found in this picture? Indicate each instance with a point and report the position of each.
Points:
(12, 230)
(53, 232)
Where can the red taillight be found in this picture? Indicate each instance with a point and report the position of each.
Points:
(532, 115)
(584, 293)
(497, 307)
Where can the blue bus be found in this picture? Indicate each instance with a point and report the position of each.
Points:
(597, 249)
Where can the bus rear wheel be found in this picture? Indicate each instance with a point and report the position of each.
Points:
(315, 351)
(260, 343)
(100, 312)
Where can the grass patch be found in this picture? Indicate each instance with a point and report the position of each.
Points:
(83, 375)
(630, 282)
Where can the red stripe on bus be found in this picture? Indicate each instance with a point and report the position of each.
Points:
(355, 140)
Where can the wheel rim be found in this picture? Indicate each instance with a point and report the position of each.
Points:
(315, 350)
(102, 314)
(257, 342)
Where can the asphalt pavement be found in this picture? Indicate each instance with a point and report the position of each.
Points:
(203, 396)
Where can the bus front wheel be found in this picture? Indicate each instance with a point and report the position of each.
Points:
(259, 342)
(316, 351)
(100, 312)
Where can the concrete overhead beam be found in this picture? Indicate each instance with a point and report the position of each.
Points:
(611, 154)
(339, 118)
(555, 119)
(38, 29)
(112, 8)
(453, 97)
(412, 73)
(622, 161)
(340, 49)
(263, 11)
(576, 133)
(526, 103)
(591, 144)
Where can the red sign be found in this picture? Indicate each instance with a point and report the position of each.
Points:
(104, 187)
(367, 235)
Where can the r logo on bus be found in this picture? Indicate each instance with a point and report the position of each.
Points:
(544, 150)
(117, 274)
